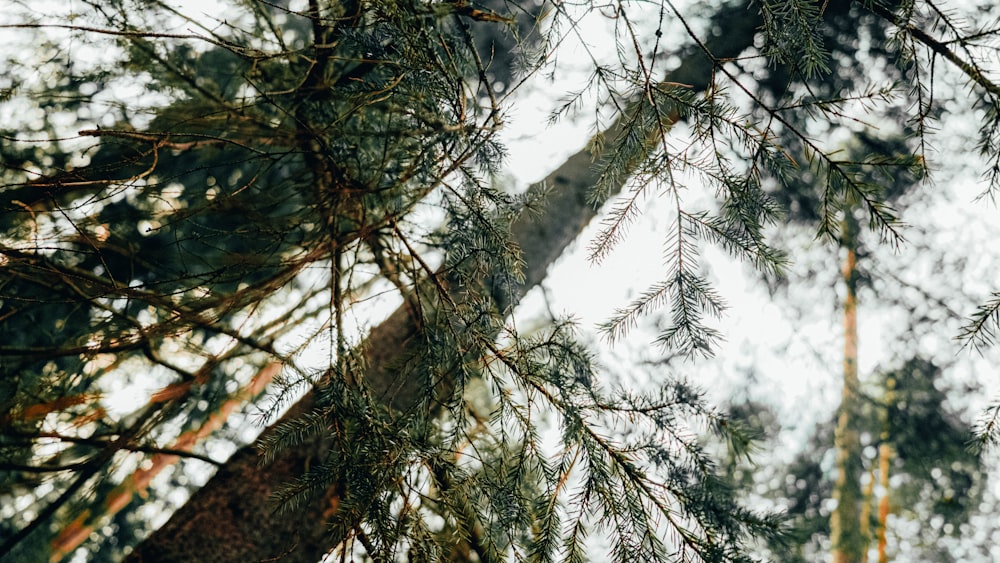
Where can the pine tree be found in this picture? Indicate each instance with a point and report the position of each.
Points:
(297, 160)
(937, 477)
(808, 203)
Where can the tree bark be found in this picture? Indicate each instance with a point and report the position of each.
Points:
(232, 519)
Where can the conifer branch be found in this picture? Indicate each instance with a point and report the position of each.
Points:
(540, 236)
(972, 71)
(980, 331)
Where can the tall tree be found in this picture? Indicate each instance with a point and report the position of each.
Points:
(542, 236)
(846, 534)
(284, 177)
(271, 163)
(936, 477)
(808, 202)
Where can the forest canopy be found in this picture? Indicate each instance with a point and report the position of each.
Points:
(301, 213)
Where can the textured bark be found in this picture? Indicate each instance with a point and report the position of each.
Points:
(845, 520)
(77, 531)
(231, 518)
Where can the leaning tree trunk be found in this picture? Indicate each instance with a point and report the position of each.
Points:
(232, 518)
(845, 520)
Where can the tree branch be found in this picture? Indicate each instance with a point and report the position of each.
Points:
(937, 47)
(231, 518)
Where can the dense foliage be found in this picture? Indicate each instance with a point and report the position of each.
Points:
(195, 208)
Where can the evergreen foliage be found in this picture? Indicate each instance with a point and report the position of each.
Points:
(287, 163)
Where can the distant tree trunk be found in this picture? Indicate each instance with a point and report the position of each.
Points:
(845, 521)
(867, 501)
(885, 455)
(884, 459)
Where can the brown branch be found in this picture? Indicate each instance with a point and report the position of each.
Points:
(163, 139)
(4, 466)
(42, 183)
(114, 32)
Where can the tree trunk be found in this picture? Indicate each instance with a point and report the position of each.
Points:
(885, 456)
(231, 518)
(867, 501)
(136, 484)
(845, 520)
(884, 459)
